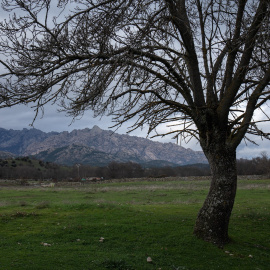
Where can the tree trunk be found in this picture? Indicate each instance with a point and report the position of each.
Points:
(213, 218)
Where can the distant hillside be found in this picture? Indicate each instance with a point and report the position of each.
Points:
(6, 155)
(22, 168)
(95, 147)
(158, 164)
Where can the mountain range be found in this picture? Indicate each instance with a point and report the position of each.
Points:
(95, 147)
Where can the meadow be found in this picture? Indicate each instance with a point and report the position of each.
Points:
(122, 224)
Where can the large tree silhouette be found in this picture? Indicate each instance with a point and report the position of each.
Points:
(201, 65)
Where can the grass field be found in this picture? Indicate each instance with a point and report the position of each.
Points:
(61, 227)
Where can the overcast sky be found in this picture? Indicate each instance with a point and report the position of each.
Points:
(21, 116)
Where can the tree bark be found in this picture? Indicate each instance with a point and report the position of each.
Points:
(213, 218)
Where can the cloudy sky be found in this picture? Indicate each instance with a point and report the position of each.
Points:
(19, 117)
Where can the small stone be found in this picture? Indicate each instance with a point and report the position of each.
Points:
(250, 256)
(226, 251)
(149, 260)
(45, 244)
(101, 239)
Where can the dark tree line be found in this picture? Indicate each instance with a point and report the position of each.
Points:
(114, 170)
(13, 169)
(255, 166)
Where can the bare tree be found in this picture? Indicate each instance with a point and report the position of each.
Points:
(202, 66)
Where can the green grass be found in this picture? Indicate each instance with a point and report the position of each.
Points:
(60, 228)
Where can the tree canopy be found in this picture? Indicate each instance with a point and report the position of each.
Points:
(161, 61)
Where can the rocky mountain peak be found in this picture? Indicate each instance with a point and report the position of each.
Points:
(96, 130)
(105, 144)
